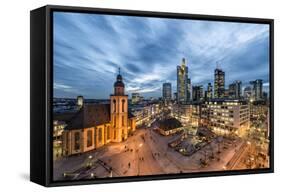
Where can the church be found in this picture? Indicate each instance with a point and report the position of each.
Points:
(95, 125)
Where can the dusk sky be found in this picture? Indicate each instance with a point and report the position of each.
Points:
(89, 48)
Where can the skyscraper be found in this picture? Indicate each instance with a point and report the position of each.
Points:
(167, 91)
(219, 83)
(183, 83)
(209, 92)
(257, 91)
(247, 92)
(235, 89)
(197, 93)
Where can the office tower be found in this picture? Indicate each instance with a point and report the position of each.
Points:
(183, 83)
(219, 83)
(235, 90)
(209, 92)
(257, 89)
(167, 91)
(175, 96)
(197, 93)
(247, 92)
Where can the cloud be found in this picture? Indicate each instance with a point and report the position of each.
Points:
(89, 48)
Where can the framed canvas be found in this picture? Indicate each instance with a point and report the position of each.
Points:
(123, 95)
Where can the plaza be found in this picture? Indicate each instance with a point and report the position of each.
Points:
(147, 152)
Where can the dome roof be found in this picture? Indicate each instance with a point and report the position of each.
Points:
(119, 77)
(119, 81)
(119, 84)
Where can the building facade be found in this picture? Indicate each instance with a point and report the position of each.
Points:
(183, 83)
(235, 90)
(95, 125)
(209, 92)
(257, 89)
(219, 83)
(136, 98)
(247, 93)
(58, 127)
(226, 116)
(197, 93)
(167, 91)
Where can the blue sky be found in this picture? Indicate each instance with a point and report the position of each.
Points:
(89, 48)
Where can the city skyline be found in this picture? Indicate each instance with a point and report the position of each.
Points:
(148, 51)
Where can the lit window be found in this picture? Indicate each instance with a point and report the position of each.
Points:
(89, 138)
(76, 141)
(100, 135)
(123, 105)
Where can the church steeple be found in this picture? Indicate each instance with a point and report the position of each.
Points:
(119, 110)
(119, 87)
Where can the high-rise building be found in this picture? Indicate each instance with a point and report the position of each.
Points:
(257, 89)
(197, 93)
(247, 92)
(265, 96)
(219, 83)
(183, 83)
(136, 98)
(188, 91)
(235, 90)
(226, 93)
(209, 92)
(167, 91)
(175, 96)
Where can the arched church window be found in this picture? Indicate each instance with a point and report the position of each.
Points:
(100, 135)
(108, 132)
(123, 120)
(114, 105)
(123, 105)
(89, 138)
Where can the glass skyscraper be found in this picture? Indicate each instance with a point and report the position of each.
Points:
(183, 83)
(219, 83)
(235, 89)
(167, 91)
(257, 90)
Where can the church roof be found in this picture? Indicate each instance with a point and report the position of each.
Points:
(66, 117)
(90, 115)
(168, 124)
(119, 84)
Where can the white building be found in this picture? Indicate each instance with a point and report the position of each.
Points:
(226, 116)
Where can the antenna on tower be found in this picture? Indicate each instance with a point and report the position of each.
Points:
(119, 70)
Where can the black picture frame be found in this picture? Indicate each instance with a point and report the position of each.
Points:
(41, 61)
